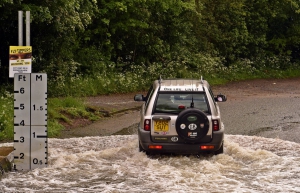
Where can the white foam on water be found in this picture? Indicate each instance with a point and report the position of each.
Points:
(113, 164)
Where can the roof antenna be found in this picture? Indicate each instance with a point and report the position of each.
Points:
(201, 79)
(160, 79)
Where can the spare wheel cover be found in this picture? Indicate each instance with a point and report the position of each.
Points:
(192, 125)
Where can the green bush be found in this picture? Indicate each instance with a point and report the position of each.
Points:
(6, 116)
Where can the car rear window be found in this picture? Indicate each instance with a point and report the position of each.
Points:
(167, 102)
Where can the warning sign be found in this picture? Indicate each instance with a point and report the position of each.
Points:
(19, 60)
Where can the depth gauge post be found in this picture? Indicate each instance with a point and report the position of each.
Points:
(30, 121)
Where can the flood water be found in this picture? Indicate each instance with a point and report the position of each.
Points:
(112, 164)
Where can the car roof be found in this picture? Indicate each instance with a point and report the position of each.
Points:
(181, 84)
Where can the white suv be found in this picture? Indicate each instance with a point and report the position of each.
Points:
(180, 116)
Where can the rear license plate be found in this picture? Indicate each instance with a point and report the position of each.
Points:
(161, 125)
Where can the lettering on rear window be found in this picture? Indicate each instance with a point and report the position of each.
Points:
(179, 89)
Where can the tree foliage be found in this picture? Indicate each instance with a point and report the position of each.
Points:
(72, 38)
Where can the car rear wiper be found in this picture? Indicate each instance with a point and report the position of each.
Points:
(192, 103)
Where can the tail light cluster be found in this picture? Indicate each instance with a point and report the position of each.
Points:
(215, 125)
(147, 124)
(207, 147)
(155, 146)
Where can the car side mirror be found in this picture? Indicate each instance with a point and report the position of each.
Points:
(220, 98)
(139, 97)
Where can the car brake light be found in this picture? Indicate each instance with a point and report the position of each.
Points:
(207, 147)
(181, 107)
(155, 146)
(215, 124)
(147, 125)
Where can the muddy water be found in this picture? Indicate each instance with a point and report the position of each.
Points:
(272, 117)
(113, 164)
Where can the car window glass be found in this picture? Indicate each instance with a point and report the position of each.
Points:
(149, 93)
(213, 97)
(176, 102)
(149, 96)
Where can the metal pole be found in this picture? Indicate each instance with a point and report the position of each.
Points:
(27, 28)
(20, 20)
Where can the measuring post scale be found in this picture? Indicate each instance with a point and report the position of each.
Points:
(30, 121)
